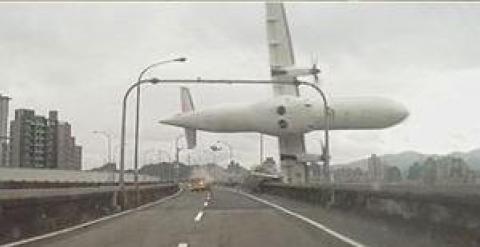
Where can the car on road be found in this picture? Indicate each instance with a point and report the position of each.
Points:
(198, 184)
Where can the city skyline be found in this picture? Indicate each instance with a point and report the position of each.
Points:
(37, 141)
(86, 61)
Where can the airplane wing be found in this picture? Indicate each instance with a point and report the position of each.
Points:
(281, 56)
(280, 47)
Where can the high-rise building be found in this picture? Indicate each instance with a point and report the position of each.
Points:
(40, 142)
(3, 130)
(77, 157)
(69, 155)
(376, 169)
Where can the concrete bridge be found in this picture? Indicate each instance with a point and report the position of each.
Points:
(274, 214)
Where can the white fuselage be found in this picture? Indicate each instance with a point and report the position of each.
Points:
(285, 115)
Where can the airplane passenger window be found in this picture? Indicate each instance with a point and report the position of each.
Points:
(281, 110)
(282, 123)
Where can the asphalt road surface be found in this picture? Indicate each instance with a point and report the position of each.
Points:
(232, 219)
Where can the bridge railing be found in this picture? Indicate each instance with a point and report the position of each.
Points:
(451, 208)
(52, 176)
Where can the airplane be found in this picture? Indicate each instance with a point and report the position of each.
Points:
(287, 115)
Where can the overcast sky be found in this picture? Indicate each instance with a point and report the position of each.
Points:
(79, 58)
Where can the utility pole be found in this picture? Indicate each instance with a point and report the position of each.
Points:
(261, 149)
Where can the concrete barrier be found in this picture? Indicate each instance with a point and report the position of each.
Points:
(454, 211)
(26, 213)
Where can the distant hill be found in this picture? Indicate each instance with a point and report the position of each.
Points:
(405, 159)
(106, 167)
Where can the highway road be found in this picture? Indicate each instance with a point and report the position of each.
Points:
(232, 219)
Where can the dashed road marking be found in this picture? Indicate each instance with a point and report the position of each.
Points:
(208, 196)
(182, 245)
(199, 216)
(307, 220)
(205, 204)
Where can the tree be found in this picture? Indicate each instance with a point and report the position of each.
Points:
(414, 171)
(392, 174)
(429, 171)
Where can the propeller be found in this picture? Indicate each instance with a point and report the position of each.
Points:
(315, 70)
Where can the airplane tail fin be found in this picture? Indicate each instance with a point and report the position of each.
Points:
(187, 106)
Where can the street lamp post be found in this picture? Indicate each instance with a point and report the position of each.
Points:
(109, 143)
(137, 116)
(327, 113)
(261, 149)
(122, 136)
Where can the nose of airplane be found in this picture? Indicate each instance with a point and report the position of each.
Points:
(400, 112)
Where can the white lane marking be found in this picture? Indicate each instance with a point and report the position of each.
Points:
(199, 216)
(182, 245)
(89, 223)
(309, 221)
(208, 196)
(205, 204)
